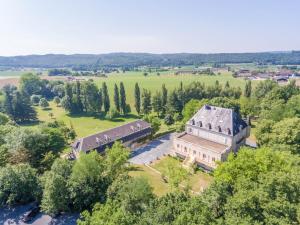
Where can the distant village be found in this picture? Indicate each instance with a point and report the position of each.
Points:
(281, 75)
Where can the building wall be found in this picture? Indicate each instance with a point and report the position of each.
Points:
(240, 139)
(199, 153)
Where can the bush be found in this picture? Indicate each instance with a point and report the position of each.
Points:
(169, 119)
(113, 113)
(35, 99)
(43, 103)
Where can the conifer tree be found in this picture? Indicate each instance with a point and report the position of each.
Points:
(117, 98)
(122, 98)
(105, 97)
(137, 98)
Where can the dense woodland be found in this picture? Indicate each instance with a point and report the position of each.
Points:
(256, 186)
(90, 62)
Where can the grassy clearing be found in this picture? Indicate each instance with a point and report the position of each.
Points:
(83, 124)
(197, 181)
(160, 188)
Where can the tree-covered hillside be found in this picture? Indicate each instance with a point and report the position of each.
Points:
(142, 59)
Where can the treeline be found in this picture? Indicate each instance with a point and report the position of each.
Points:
(130, 60)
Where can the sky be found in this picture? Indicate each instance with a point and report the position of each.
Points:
(154, 26)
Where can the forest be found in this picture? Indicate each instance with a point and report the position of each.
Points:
(91, 62)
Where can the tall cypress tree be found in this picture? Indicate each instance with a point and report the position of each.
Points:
(156, 103)
(117, 98)
(137, 98)
(8, 100)
(122, 98)
(248, 89)
(146, 101)
(100, 99)
(79, 105)
(164, 98)
(105, 98)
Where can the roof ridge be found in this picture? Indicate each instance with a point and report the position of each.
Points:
(111, 128)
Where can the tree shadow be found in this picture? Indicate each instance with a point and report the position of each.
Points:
(30, 123)
(47, 109)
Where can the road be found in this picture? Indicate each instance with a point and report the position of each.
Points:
(13, 216)
(152, 150)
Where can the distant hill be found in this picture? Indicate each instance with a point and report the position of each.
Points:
(146, 59)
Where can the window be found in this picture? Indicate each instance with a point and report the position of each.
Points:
(213, 159)
(204, 156)
(178, 145)
(190, 130)
(194, 152)
(185, 149)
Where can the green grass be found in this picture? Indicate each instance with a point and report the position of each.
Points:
(84, 125)
(160, 188)
(197, 181)
(154, 82)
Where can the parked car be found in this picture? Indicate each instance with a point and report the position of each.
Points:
(31, 213)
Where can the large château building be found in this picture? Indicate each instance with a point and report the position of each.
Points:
(210, 135)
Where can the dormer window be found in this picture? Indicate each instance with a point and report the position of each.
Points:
(193, 122)
(228, 131)
(241, 127)
(106, 137)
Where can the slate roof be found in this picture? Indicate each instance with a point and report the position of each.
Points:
(217, 119)
(103, 138)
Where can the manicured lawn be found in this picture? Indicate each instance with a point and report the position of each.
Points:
(159, 186)
(83, 124)
(197, 181)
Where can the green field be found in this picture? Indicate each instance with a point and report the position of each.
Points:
(154, 82)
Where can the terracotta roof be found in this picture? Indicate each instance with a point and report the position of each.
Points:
(210, 145)
(103, 138)
(217, 119)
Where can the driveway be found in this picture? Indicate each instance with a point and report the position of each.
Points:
(13, 216)
(152, 150)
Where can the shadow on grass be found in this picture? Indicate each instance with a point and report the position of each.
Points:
(134, 168)
(101, 116)
(30, 123)
(47, 109)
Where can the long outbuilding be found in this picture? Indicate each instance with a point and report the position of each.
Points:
(127, 134)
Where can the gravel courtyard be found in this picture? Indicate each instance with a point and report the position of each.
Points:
(153, 150)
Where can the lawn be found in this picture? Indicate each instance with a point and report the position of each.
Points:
(84, 125)
(160, 188)
(197, 181)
